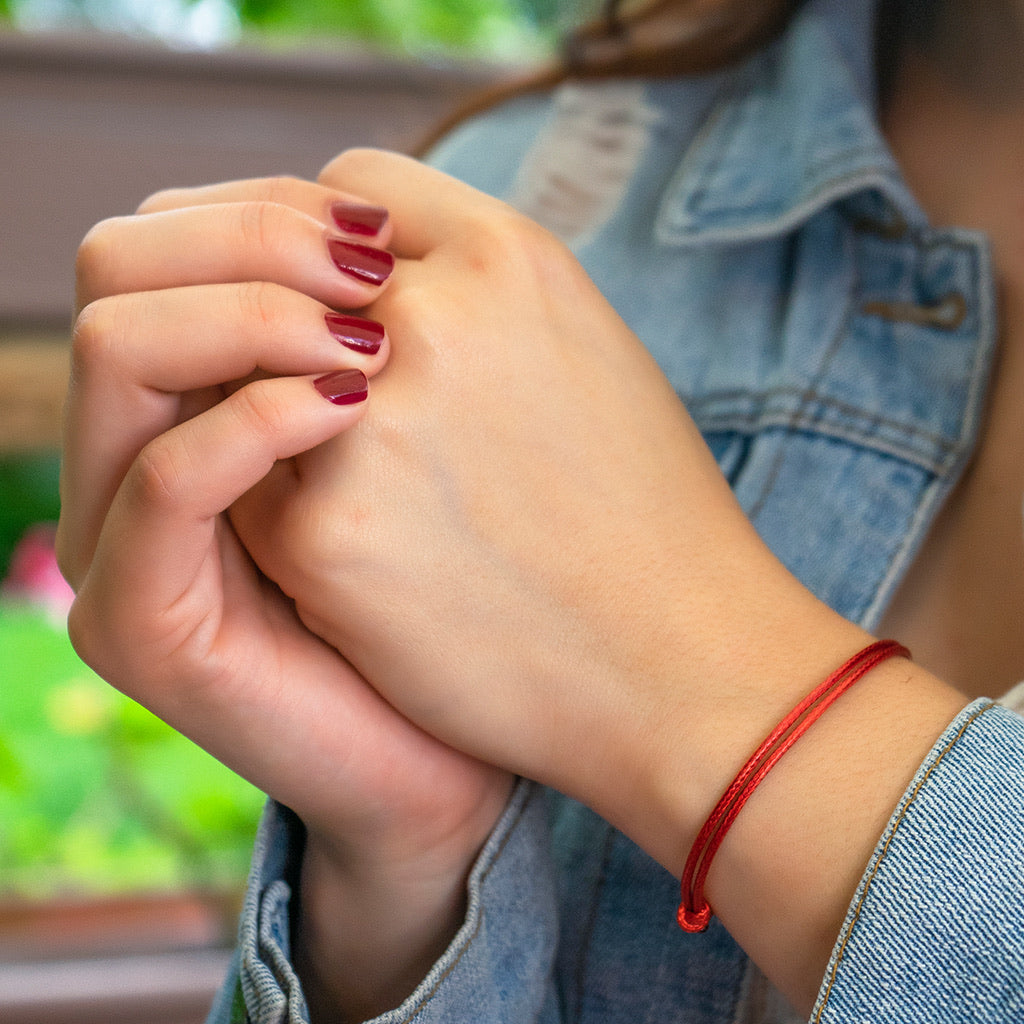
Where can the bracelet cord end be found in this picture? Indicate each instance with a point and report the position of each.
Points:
(694, 920)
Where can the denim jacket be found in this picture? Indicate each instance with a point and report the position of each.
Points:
(754, 230)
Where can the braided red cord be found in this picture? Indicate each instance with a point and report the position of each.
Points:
(694, 911)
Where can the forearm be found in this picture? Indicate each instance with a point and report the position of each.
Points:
(783, 878)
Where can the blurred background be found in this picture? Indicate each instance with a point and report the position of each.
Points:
(123, 848)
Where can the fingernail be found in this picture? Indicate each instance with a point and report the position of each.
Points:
(356, 333)
(344, 387)
(363, 262)
(358, 218)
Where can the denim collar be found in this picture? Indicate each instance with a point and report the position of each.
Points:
(793, 131)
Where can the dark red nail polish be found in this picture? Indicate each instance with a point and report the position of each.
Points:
(363, 262)
(356, 333)
(344, 387)
(358, 218)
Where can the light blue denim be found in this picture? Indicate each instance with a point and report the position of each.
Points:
(834, 349)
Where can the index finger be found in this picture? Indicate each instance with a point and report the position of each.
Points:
(348, 213)
(427, 206)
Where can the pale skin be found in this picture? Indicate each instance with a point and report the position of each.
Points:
(639, 618)
(148, 353)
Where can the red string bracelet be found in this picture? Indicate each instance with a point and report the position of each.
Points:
(694, 911)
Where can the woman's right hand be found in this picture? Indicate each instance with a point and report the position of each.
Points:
(202, 356)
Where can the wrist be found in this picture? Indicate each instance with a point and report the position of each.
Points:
(706, 704)
(375, 916)
(364, 939)
(748, 699)
(785, 873)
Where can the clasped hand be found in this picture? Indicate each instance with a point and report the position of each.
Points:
(524, 543)
(519, 538)
(203, 323)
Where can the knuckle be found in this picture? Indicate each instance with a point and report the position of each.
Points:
(281, 190)
(498, 240)
(259, 224)
(68, 556)
(99, 635)
(164, 199)
(507, 235)
(410, 311)
(160, 474)
(400, 307)
(84, 633)
(347, 163)
(97, 255)
(95, 336)
(260, 303)
(261, 410)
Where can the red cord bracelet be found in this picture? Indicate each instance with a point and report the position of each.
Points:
(694, 911)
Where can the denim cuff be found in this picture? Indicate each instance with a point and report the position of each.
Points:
(936, 928)
(497, 967)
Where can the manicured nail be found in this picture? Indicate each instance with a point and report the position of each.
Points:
(358, 218)
(344, 387)
(363, 262)
(356, 333)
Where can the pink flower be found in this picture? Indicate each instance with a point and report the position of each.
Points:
(33, 575)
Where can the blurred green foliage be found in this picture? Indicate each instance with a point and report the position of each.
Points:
(498, 28)
(410, 24)
(97, 796)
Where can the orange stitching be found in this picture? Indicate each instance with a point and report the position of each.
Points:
(885, 848)
(947, 314)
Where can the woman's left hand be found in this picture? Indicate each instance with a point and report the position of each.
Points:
(525, 544)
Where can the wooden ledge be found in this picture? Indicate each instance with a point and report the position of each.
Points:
(33, 383)
(172, 988)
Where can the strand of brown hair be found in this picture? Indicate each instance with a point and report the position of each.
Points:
(660, 39)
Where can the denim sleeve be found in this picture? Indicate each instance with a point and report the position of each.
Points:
(497, 969)
(935, 932)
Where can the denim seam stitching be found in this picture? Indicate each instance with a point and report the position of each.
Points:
(471, 938)
(900, 816)
(790, 216)
(706, 154)
(947, 449)
(825, 185)
(724, 119)
(591, 925)
(807, 397)
(803, 397)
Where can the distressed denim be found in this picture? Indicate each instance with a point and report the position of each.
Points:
(754, 230)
